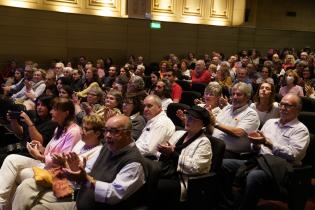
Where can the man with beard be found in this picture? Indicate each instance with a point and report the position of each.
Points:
(236, 121)
(164, 91)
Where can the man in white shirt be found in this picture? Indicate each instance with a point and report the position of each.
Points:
(235, 121)
(158, 130)
(285, 137)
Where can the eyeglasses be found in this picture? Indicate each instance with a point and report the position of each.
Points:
(287, 106)
(114, 131)
(85, 129)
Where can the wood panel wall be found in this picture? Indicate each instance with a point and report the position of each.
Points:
(42, 35)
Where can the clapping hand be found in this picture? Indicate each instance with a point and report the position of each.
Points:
(166, 149)
(75, 98)
(198, 101)
(309, 90)
(74, 167)
(59, 159)
(257, 137)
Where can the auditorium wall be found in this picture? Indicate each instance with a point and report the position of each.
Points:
(43, 35)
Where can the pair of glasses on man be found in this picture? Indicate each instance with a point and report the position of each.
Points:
(114, 130)
(287, 106)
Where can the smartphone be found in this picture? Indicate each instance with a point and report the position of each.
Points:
(15, 114)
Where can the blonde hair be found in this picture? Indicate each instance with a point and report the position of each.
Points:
(291, 56)
(96, 123)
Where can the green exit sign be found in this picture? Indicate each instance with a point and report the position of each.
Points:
(155, 25)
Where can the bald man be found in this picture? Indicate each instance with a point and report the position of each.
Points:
(117, 177)
(285, 137)
(158, 130)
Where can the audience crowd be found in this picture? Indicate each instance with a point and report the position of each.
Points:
(86, 133)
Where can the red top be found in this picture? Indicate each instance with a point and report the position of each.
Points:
(176, 91)
(205, 77)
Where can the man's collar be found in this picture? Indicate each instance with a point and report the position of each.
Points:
(157, 116)
(240, 109)
(288, 124)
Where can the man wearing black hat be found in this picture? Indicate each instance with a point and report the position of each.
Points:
(187, 153)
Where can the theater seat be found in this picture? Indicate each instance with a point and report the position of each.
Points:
(188, 97)
(203, 190)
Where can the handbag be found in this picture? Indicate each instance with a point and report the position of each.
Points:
(55, 179)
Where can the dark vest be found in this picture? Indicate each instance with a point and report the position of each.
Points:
(105, 169)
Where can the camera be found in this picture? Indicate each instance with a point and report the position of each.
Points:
(14, 114)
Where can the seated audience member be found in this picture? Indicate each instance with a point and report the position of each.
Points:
(91, 80)
(39, 127)
(31, 90)
(120, 84)
(307, 80)
(59, 70)
(211, 96)
(140, 70)
(155, 77)
(163, 91)
(135, 84)
(29, 193)
(170, 75)
(107, 82)
(133, 108)
(200, 74)
(265, 104)
(224, 78)
(242, 76)
(17, 80)
(124, 71)
(158, 130)
(289, 62)
(184, 72)
(77, 81)
(50, 79)
(67, 72)
(8, 72)
(113, 104)
(283, 140)
(236, 121)
(291, 80)
(119, 170)
(265, 76)
(164, 66)
(252, 73)
(100, 68)
(61, 81)
(15, 88)
(92, 104)
(187, 153)
(65, 91)
(16, 168)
